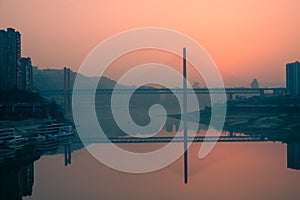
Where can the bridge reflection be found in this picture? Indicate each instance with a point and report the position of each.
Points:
(179, 139)
(17, 175)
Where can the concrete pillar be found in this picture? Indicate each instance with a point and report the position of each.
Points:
(69, 154)
(66, 155)
(67, 148)
(65, 91)
(68, 92)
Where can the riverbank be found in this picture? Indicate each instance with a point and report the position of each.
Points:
(17, 105)
(278, 118)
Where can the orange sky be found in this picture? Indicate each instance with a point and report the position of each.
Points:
(246, 39)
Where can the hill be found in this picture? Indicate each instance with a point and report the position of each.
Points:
(53, 79)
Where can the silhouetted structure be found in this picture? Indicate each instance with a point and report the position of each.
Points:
(293, 78)
(196, 85)
(293, 156)
(15, 72)
(184, 111)
(10, 52)
(25, 80)
(254, 83)
(67, 89)
(68, 154)
(16, 181)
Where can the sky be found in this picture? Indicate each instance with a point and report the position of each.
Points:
(246, 39)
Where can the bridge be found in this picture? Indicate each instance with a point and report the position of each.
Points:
(229, 91)
(67, 92)
(178, 139)
(14, 106)
(161, 139)
(160, 91)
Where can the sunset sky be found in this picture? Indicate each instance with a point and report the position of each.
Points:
(246, 39)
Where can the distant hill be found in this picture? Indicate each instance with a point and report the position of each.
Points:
(53, 79)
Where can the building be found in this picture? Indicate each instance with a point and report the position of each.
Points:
(254, 83)
(293, 78)
(196, 85)
(10, 52)
(25, 80)
(16, 180)
(293, 156)
(15, 72)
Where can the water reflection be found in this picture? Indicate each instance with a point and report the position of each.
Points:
(17, 175)
(231, 171)
(17, 171)
(16, 181)
(293, 155)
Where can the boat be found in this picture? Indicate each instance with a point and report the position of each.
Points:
(6, 134)
(66, 132)
(54, 130)
(50, 134)
(18, 142)
(50, 127)
(44, 143)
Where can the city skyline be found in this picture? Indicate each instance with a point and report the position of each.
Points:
(246, 41)
(17, 71)
(155, 99)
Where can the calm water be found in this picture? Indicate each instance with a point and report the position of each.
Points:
(231, 171)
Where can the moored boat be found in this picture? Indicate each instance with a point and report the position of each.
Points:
(6, 134)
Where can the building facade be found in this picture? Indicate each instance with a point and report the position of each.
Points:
(10, 52)
(25, 81)
(15, 72)
(293, 78)
(254, 83)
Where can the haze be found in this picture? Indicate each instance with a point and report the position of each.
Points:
(246, 39)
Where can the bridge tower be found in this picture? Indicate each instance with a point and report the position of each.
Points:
(67, 88)
(185, 164)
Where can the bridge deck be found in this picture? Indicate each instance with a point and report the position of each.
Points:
(176, 139)
(171, 90)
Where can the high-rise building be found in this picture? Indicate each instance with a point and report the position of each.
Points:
(16, 181)
(25, 81)
(10, 52)
(254, 83)
(293, 156)
(293, 78)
